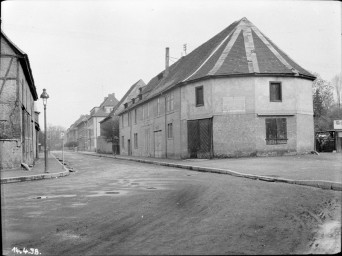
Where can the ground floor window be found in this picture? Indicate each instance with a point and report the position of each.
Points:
(169, 131)
(276, 131)
(135, 140)
(123, 141)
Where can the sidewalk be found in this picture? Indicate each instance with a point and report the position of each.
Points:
(55, 169)
(323, 170)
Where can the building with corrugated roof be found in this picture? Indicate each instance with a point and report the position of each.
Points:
(237, 94)
(19, 124)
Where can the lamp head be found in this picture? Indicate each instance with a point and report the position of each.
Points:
(44, 96)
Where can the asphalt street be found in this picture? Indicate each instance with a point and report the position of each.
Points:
(111, 207)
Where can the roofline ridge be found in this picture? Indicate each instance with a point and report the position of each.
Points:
(213, 52)
(268, 44)
(283, 52)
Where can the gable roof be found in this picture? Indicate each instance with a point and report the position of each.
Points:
(131, 93)
(241, 49)
(25, 64)
(109, 101)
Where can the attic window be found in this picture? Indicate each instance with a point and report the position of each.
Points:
(140, 96)
(160, 76)
(126, 105)
(133, 100)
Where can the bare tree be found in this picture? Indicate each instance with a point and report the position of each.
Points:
(323, 103)
(337, 83)
(54, 136)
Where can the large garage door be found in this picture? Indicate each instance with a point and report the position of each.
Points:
(200, 138)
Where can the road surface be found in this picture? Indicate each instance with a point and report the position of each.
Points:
(111, 207)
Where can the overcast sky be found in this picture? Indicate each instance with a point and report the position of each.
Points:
(81, 51)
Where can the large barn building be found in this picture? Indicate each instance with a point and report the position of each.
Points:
(237, 94)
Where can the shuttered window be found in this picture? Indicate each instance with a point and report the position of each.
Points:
(275, 91)
(199, 96)
(276, 131)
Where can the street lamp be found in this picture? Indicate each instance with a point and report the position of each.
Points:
(45, 96)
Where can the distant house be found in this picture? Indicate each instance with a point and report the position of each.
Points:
(237, 94)
(19, 125)
(108, 141)
(72, 133)
(97, 114)
(82, 133)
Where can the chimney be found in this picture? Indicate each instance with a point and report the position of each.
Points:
(167, 57)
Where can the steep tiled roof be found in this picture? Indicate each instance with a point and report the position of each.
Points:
(109, 101)
(239, 50)
(25, 63)
(131, 93)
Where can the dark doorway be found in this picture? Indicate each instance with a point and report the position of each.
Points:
(200, 138)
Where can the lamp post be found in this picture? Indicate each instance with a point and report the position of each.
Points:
(45, 96)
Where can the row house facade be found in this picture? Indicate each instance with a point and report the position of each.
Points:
(97, 114)
(19, 124)
(109, 123)
(82, 133)
(237, 94)
(85, 130)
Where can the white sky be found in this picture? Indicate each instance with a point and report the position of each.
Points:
(81, 51)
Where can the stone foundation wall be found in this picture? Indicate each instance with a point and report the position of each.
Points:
(10, 154)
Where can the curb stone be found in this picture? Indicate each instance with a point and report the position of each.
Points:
(66, 172)
(312, 183)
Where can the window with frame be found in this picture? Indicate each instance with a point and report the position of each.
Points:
(276, 131)
(275, 92)
(129, 123)
(199, 96)
(135, 116)
(169, 102)
(123, 142)
(135, 140)
(143, 112)
(122, 120)
(170, 131)
(148, 110)
(158, 106)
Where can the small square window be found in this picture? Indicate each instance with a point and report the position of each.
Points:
(275, 91)
(199, 96)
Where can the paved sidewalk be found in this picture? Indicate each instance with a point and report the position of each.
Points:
(55, 169)
(323, 170)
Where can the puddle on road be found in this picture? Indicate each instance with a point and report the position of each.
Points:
(161, 184)
(78, 204)
(51, 196)
(151, 188)
(33, 214)
(108, 193)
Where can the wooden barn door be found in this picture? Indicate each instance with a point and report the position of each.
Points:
(200, 138)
